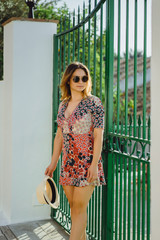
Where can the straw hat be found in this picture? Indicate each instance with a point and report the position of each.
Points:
(47, 192)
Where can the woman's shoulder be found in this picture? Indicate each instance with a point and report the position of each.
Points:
(62, 103)
(94, 99)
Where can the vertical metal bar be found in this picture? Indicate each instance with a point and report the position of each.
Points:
(120, 200)
(83, 44)
(148, 188)
(116, 202)
(139, 186)
(94, 71)
(139, 202)
(126, 69)
(73, 36)
(144, 69)
(113, 198)
(78, 33)
(101, 47)
(125, 198)
(135, 72)
(64, 51)
(129, 185)
(143, 199)
(93, 215)
(148, 201)
(99, 212)
(134, 200)
(96, 215)
(69, 38)
(60, 56)
(118, 63)
(109, 56)
(89, 37)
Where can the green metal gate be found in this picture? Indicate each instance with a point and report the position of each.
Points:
(120, 210)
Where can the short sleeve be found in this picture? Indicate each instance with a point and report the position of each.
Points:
(98, 113)
(59, 115)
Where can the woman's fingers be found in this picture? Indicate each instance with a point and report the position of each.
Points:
(91, 177)
(48, 172)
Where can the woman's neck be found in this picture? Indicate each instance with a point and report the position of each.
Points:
(76, 97)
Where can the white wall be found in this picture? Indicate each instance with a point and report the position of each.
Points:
(26, 124)
(155, 122)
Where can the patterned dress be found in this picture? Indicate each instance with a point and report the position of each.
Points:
(78, 140)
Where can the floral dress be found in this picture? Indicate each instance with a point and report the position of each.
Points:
(78, 140)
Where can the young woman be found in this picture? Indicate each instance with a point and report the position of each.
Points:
(80, 122)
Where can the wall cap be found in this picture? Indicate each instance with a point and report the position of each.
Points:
(28, 19)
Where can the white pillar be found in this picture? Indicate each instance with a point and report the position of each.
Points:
(155, 122)
(27, 101)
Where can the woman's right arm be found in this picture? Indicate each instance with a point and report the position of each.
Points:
(57, 149)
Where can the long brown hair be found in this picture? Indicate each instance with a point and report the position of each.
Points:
(65, 87)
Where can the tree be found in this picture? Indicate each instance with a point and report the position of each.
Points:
(18, 8)
(8, 9)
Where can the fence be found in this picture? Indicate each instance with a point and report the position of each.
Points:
(120, 210)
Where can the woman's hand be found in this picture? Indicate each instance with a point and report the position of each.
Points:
(50, 169)
(92, 174)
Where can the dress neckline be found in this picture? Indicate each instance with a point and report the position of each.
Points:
(73, 109)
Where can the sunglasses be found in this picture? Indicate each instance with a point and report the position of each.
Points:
(76, 79)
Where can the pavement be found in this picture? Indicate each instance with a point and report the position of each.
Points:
(43, 229)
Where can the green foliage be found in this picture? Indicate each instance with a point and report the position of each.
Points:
(121, 105)
(9, 9)
(50, 11)
(18, 8)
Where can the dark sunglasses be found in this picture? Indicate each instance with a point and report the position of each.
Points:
(76, 79)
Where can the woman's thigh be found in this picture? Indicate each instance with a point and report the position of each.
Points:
(69, 190)
(82, 195)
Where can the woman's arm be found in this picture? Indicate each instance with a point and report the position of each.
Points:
(97, 148)
(57, 149)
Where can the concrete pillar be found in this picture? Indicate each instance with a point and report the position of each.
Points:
(27, 116)
(155, 122)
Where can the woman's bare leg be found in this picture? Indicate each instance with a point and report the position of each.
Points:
(84, 236)
(81, 197)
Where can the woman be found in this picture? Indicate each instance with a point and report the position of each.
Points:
(80, 122)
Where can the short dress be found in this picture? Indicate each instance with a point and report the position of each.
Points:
(78, 141)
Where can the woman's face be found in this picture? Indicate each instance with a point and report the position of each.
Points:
(78, 86)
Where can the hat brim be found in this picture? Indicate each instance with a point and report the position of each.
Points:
(54, 203)
(47, 192)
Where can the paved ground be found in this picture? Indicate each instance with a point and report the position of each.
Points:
(44, 229)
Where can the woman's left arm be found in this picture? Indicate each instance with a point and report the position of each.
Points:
(97, 148)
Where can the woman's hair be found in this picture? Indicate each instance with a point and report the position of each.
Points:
(65, 87)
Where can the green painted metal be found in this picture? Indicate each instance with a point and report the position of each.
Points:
(89, 33)
(144, 69)
(101, 47)
(73, 36)
(94, 67)
(118, 65)
(126, 67)
(69, 38)
(121, 209)
(78, 45)
(109, 56)
(135, 73)
(83, 53)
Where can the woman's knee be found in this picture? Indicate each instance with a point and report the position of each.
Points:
(79, 206)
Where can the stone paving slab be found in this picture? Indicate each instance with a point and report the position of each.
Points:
(6, 233)
(43, 229)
